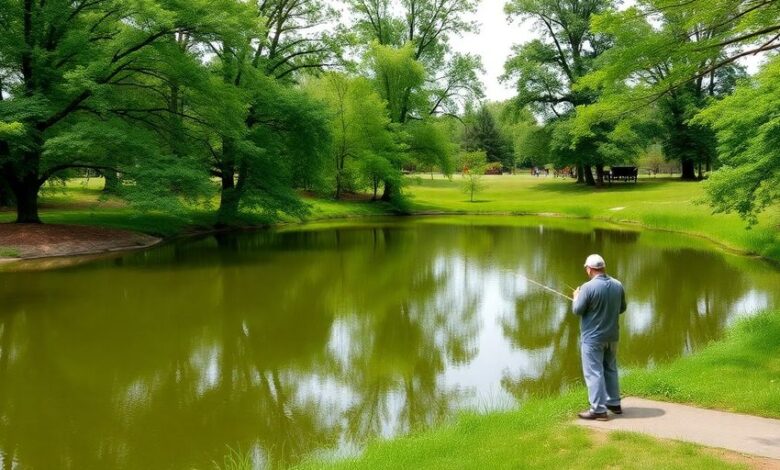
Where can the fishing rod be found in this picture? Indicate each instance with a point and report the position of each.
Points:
(547, 288)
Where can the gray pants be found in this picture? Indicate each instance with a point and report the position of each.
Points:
(599, 367)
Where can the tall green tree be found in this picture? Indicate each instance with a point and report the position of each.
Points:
(676, 57)
(483, 133)
(62, 61)
(431, 145)
(420, 30)
(547, 69)
(747, 126)
(284, 139)
(362, 142)
(529, 141)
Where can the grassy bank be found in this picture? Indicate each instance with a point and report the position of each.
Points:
(740, 373)
(658, 203)
(82, 202)
(737, 373)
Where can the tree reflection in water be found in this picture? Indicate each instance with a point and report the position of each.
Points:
(286, 343)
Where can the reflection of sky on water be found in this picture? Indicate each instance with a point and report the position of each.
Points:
(639, 317)
(753, 301)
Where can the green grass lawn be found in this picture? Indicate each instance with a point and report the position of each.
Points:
(539, 436)
(740, 372)
(659, 203)
(81, 202)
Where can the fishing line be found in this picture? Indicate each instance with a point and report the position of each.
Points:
(550, 289)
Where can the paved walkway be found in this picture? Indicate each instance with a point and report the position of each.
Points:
(741, 433)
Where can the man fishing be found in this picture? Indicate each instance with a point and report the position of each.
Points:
(598, 303)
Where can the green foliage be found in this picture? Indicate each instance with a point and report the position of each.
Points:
(482, 133)
(397, 72)
(84, 70)
(363, 144)
(286, 142)
(473, 165)
(430, 146)
(545, 70)
(748, 132)
(672, 61)
(168, 184)
(235, 460)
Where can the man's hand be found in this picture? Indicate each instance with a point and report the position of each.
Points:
(575, 294)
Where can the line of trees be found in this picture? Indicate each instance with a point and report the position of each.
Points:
(174, 102)
(611, 83)
(178, 102)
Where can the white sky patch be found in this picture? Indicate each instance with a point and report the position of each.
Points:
(496, 36)
(493, 42)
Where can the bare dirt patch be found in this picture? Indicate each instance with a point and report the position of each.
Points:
(42, 240)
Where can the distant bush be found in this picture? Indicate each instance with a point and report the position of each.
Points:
(495, 168)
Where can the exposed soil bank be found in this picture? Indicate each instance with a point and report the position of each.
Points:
(28, 241)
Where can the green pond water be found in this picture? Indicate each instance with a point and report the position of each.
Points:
(311, 340)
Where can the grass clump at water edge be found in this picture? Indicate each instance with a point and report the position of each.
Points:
(8, 252)
(235, 459)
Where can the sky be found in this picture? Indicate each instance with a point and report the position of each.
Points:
(494, 43)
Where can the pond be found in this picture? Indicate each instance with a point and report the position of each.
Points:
(312, 339)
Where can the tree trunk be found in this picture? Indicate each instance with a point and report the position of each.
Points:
(338, 186)
(599, 175)
(112, 182)
(588, 176)
(26, 195)
(580, 174)
(389, 192)
(688, 170)
(6, 198)
(701, 174)
(228, 198)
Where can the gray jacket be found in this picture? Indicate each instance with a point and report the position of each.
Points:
(600, 302)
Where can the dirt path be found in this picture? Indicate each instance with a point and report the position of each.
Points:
(27, 241)
(744, 434)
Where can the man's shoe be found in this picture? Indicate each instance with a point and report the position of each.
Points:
(590, 415)
(615, 409)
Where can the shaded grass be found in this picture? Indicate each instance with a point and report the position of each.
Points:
(740, 372)
(78, 204)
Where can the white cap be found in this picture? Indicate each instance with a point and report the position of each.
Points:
(595, 262)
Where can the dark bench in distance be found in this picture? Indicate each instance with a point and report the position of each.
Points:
(623, 173)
